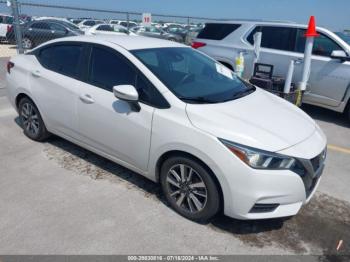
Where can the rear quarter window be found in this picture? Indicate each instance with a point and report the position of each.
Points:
(217, 31)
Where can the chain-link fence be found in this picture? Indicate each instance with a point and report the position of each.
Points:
(25, 25)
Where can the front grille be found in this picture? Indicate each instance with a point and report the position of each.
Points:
(263, 208)
(316, 162)
(310, 171)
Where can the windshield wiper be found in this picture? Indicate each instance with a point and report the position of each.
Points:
(244, 92)
(198, 99)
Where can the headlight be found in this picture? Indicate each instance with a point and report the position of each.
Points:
(259, 159)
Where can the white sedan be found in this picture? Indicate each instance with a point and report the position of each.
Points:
(174, 115)
(109, 29)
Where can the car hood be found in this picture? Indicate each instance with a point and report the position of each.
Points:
(261, 120)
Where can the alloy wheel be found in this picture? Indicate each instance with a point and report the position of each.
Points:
(27, 43)
(30, 119)
(187, 188)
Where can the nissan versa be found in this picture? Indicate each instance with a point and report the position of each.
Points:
(213, 141)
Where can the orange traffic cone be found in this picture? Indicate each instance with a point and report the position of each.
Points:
(311, 30)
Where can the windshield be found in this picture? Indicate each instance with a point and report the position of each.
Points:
(192, 76)
(345, 37)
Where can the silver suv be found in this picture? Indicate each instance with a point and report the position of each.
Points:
(282, 42)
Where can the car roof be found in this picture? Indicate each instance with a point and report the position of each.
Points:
(256, 21)
(127, 42)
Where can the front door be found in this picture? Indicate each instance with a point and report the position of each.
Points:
(107, 123)
(329, 78)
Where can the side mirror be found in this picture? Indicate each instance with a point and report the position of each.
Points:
(128, 93)
(341, 55)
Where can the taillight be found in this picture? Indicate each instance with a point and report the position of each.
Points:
(197, 45)
(9, 28)
(9, 66)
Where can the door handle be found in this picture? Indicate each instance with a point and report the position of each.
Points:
(36, 73)
(87, 99)
(299, 61)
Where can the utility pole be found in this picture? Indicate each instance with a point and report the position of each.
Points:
(17, 26)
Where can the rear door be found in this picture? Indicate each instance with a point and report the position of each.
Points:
(55, 81)
(277, 48)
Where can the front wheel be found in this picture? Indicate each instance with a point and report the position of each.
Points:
(27, 43)
(189, 189)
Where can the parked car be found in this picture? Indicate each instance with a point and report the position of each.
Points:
(109, 29)
(179, 31)
(6, 22)
(123, 23)
(37, 32)
(191, 35)
(87, 23)
(156, 33)
(176, 116)
(282, 42)
(76, 21)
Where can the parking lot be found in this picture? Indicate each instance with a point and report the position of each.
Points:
(57, 198)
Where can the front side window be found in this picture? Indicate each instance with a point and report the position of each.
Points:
(192, 76)
(323, 45)
(57, 27)
(275, 37)
(109, 69)
(63, 59)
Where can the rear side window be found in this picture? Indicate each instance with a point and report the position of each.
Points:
(274, 37)
(217, 31)
(63, 59)
(89, 23)
(6, 20)
(40, 25)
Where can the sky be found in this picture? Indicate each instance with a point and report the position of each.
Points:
(332, 14)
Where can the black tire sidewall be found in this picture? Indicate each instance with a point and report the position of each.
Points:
(42, 134)
(213, 201)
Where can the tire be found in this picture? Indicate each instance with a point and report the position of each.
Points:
(347, 111)
(180, 194)
(172, 39)
(27, 43)
(31, 121)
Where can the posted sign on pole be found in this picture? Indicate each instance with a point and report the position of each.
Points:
(146, 19)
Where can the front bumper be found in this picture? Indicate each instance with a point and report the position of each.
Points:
(263, 194)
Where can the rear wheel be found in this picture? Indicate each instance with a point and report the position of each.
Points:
(189, 189)
(347, 111)
(31, 121)
(27, 43)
